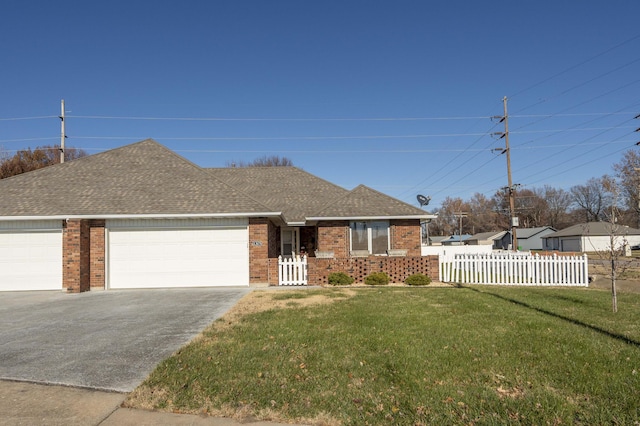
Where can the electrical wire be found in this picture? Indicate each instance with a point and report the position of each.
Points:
(571, 68)
(28, 118)
(103, 117)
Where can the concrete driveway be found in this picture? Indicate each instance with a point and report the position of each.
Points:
(109, 340)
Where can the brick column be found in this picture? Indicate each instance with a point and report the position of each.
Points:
(258, 251)
(75, 256)
(97, 254)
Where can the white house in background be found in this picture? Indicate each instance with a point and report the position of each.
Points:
(531, 238)
(498, 240)
(591, 236)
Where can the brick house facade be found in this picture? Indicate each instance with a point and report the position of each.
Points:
(153, 202)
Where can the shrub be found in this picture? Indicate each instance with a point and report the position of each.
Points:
(340, 278)
(417, 279)
(377, 278)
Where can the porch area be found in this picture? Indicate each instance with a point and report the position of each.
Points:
(303, 270)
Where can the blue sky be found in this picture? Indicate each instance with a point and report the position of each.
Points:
(396, 95)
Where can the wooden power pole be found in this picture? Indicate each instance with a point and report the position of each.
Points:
(513, 220)
(63, 136)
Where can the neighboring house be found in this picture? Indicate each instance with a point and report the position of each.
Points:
(591, 236)
(436, 240)
(531, 238)
(141, 216)
(455, 240)
(498, 240)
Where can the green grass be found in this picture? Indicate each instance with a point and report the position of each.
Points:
(471, 355)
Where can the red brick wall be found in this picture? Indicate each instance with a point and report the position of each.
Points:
(405, 234)
(75, 255)
(398, 268)
(334, 236)
(259, 243)
(97, 254)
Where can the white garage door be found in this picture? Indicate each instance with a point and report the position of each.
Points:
(31, 256)
(153, 254)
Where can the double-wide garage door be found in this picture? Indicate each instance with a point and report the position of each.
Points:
(31, 255)
(177, 253)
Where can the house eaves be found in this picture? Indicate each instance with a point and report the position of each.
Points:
(143, 216)
(318, 218)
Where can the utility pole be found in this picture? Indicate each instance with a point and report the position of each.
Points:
(513, 220)
(63, 136)
(460, 215)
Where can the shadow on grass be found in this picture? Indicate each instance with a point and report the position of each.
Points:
(607, 333)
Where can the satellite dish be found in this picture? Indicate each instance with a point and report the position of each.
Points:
(423, 200)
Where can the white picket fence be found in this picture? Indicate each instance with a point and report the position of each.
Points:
(292, 270)
(515, 269)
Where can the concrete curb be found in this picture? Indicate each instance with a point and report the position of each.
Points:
(23, 403)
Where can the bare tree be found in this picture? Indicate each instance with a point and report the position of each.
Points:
(531, 208)
(591, 198)
(558, 202)
(617, 238)
(448, 222)
(628, 174)
(483, 216)
(264, 161)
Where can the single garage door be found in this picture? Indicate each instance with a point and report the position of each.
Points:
(572, 244)
(31, 255)
(179, 253)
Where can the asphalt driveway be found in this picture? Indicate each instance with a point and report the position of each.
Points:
(108, 340)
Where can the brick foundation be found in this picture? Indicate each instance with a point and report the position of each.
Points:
(398, 268)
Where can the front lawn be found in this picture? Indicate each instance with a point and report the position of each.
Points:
(397, 355)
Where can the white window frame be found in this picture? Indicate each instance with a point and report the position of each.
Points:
(369, 225)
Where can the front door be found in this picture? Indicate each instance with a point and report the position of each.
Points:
(290, 241)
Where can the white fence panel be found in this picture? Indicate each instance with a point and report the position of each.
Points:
(292, 270)
(514, 269)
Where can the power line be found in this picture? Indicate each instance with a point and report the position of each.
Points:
(28, 118)
(576, 65)
(103, 117)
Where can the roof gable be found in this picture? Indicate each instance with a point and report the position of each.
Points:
(524, 233)
(292, 191)
(493, 235)
(364, 202)
(141, 178)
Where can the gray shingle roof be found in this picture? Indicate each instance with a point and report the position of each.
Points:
(142, 178)
(530, 232)
(290, 190)
(593, 229)
(145, 178)
(362, 202)
(493, 235)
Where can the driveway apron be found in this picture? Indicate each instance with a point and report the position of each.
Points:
(109, 340)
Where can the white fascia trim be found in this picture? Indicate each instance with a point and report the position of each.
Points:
(427, 216)
(140, 216)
